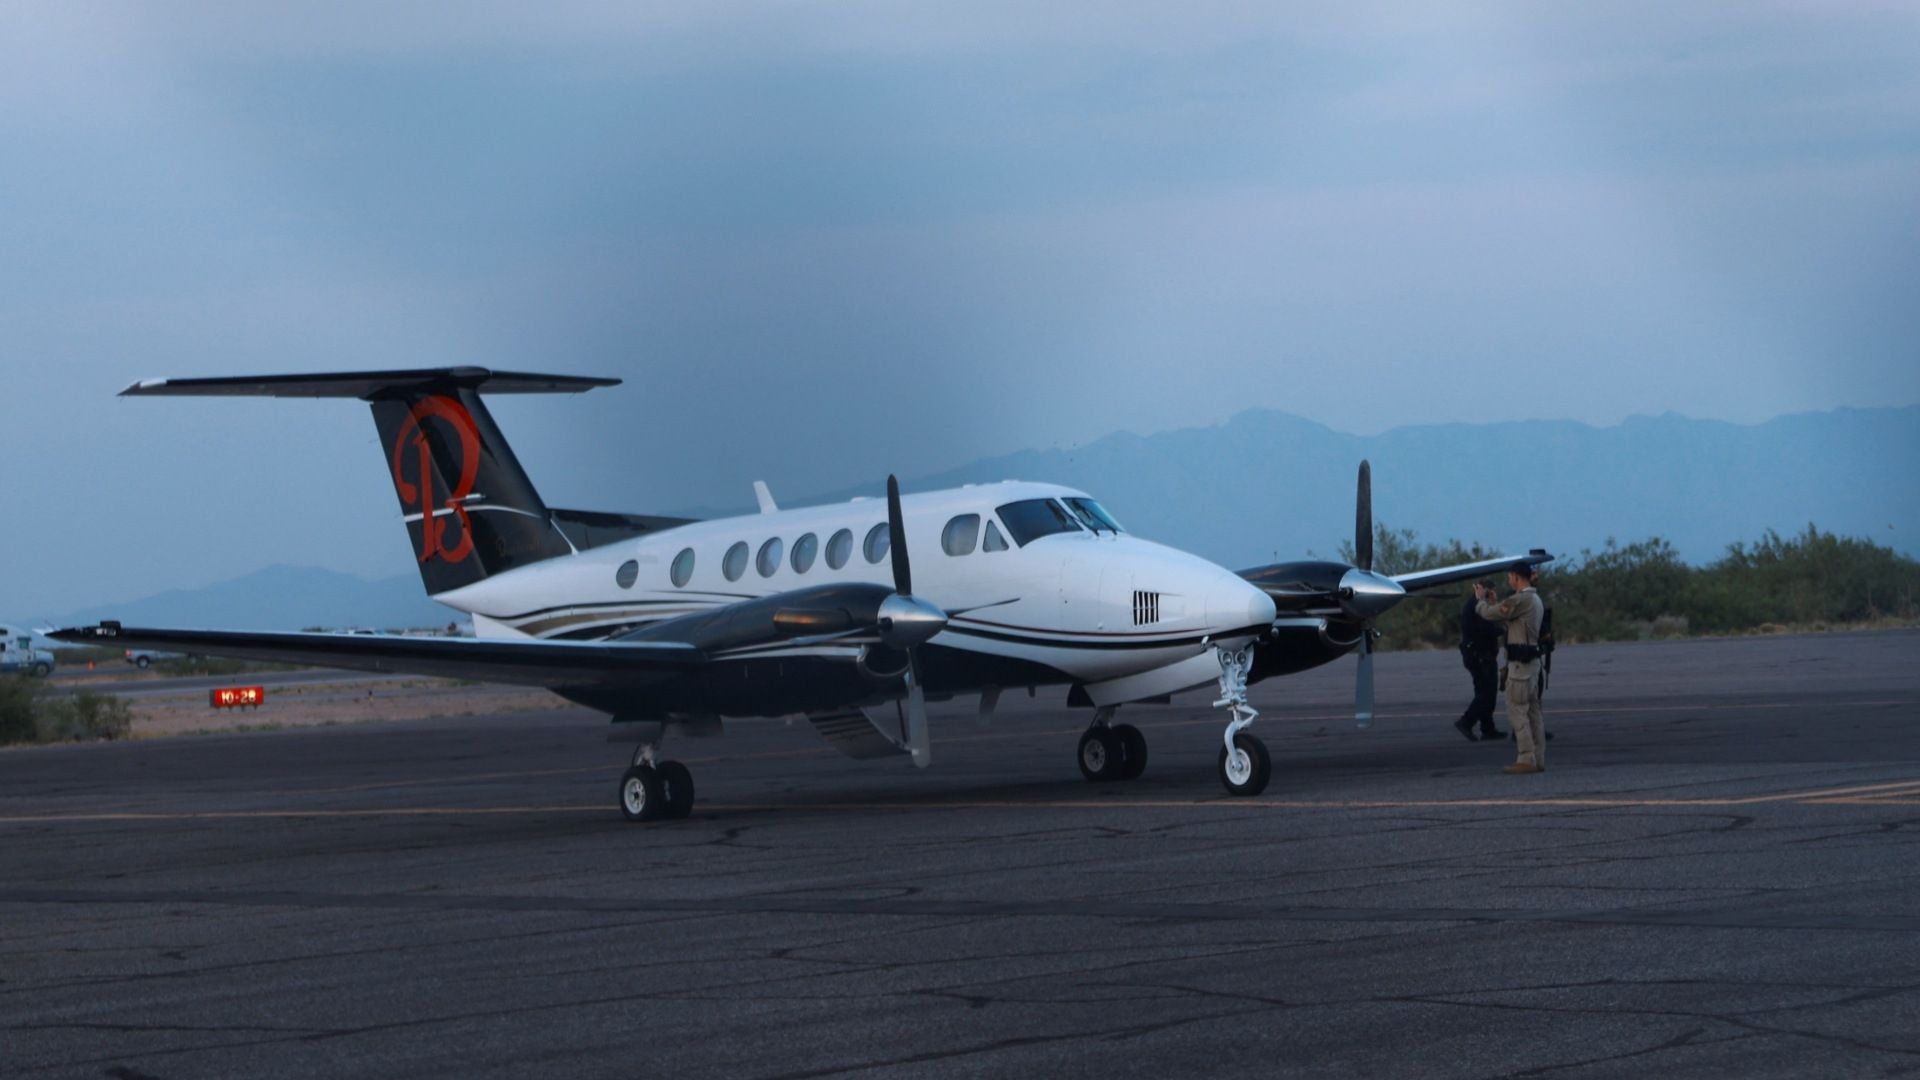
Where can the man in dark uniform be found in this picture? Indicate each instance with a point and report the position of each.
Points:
(1480, 652)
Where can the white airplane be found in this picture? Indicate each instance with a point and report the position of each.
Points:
(672, 625)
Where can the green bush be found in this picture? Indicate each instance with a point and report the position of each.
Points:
(16, 709)
(84, 716)
(27, 714)
(1645, 590)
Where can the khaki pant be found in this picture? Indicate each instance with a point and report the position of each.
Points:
(1523, 716)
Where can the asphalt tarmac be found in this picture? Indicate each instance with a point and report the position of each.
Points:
(1717, 876)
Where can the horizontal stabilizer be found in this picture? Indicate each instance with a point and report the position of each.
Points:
(520, 662)
(367, 385)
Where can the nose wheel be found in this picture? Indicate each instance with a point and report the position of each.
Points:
(655, 790)
(1246, 768)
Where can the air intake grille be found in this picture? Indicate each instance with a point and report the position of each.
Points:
(1146, 608)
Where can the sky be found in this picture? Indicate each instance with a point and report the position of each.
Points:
(826, 241)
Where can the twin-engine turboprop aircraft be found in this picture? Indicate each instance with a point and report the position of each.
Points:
(671, 625)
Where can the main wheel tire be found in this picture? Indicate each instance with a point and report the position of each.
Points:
(1100, 755)
(642, 797)
(1247, 771)
(678, 781)
(1133, 751)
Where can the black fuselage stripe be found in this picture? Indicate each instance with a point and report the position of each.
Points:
(615, 604)
(1061, 643)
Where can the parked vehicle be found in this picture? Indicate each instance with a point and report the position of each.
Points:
(18, 656)
(146, 658)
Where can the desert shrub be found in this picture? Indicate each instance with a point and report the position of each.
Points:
(16, 709)
(84, 716)
(1812, 580)
(29, 714)
(1668, 626)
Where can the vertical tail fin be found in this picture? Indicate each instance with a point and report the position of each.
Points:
(469, 507)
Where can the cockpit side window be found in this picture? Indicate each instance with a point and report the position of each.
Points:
(960, 535)
(1094, 515)
(1030, 519)
(994, 541)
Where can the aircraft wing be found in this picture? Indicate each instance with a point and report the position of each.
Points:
(529, 662)
(1448, 575)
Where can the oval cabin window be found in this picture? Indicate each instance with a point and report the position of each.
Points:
(683, 568)
(839, 549)
(769, 559)
(876, 544)
(804, 550)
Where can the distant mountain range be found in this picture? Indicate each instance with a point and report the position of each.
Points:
(1266, 485)
(281, 598)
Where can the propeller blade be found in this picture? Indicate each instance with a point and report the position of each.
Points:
(897, 540)
(1363, 519)
(1363, 687)
(913, 718)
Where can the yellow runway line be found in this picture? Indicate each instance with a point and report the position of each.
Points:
(1275, 719)
(1906, 792)
(244, 815)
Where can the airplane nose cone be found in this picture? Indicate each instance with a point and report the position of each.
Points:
(1233, 604)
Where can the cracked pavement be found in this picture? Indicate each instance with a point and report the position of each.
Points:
(1717, 876)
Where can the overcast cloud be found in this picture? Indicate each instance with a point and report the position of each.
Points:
(826, 241)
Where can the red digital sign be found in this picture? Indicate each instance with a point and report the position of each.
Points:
(238, 697)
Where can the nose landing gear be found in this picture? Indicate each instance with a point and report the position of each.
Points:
(1112, 751)
(652, 790)
(1244, 764)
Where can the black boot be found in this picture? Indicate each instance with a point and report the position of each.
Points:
(1464, 726)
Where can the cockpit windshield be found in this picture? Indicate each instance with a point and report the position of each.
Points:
(1030, 519)
(1094, 515)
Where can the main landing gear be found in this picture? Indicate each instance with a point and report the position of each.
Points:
(1244, 764)
(651, 790)
(1112, 751)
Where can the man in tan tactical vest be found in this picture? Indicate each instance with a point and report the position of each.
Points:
(1521, 614)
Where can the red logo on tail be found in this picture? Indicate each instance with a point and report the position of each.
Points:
(419, 497)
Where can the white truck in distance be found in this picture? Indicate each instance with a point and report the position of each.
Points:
(18, 655)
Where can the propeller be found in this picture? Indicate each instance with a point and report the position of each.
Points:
(906, 623)
(1366, 595)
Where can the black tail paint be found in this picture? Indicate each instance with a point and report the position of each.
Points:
(469, 506)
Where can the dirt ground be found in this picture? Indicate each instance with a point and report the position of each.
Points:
(187, 713)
